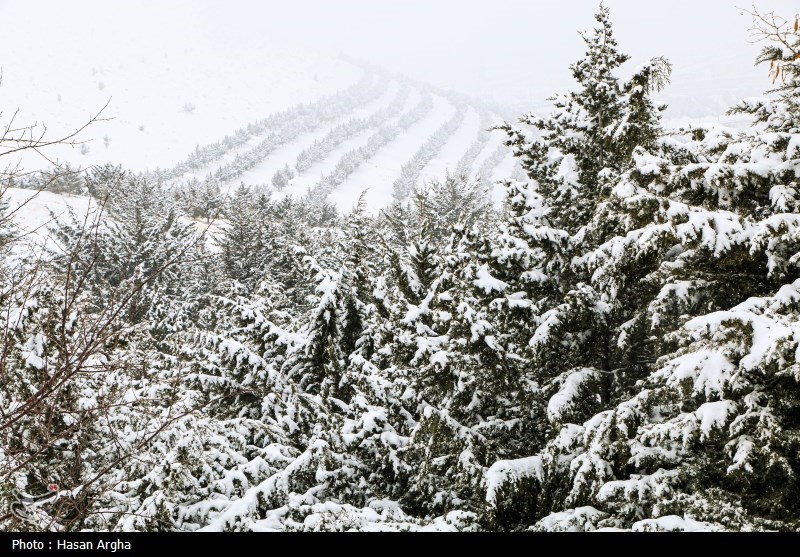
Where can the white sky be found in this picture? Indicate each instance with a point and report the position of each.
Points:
(520, 49)
(514, 51)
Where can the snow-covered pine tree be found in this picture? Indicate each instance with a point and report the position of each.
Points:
(244, 254)
(436, 372)
(456, 201)
(201, 200)
(102, 179)
(705, 439)
(589, 137)
(586, 343)
(291, 229)
(565, 211)
(143, 249)
(282, 177)
(372, 417)
(64, 178)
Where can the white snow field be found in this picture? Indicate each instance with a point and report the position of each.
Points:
(32, 214)
(203, 101)
(206, 100)
(160, 129)
(377, 174)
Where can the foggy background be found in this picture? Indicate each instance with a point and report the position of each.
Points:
(514, 51)
(240, 60)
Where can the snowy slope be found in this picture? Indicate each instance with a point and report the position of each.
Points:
(156, 127)
(262, 173)
(377, 175)
(183, 90)
(32, 215)
(447, 159)
(180, 92)
(301, 183)
(151, 93)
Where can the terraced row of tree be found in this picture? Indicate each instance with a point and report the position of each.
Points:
(286, 124)
(321, 148)
(353, 159)
(410, 171)
(467, 160)
(227, 160)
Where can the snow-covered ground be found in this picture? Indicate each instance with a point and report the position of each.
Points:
(180, 91)
(447, 159)
(377, 175)
(32, 215)
(169, 90)
(156, 115)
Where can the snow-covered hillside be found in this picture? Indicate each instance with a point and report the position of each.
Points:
(186, 90)
(265, 129)
(181, 93)
(33, 214)
(291, 300)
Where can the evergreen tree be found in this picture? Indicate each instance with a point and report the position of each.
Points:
(588, 139)
(616, 348)
(243, 242)
(698, 362)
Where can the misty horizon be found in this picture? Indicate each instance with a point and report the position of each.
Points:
(511, 52)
